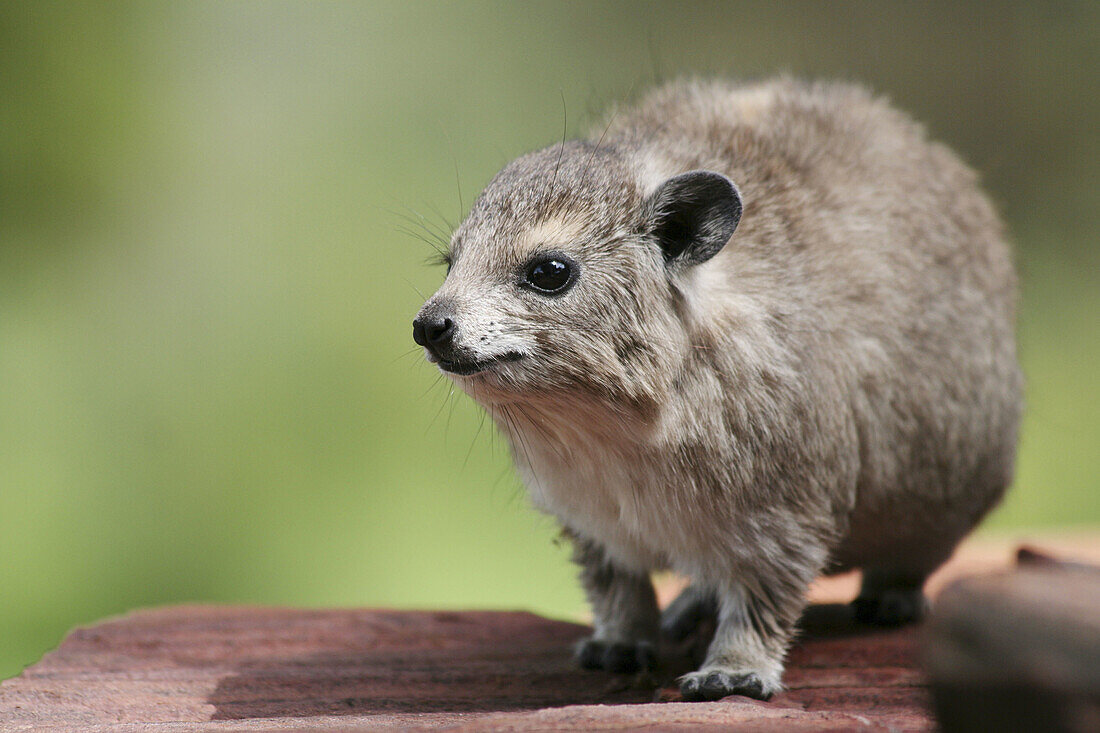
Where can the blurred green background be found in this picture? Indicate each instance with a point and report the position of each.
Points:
(208, 390)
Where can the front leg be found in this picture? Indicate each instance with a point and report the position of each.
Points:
(624, 610)
(755, 626)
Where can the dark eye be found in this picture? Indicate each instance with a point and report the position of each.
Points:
(551, 275)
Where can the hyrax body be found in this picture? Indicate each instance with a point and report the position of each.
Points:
(834, 385)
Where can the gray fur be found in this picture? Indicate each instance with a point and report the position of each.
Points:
(837, 387)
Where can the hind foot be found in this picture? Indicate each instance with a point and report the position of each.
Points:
(890, 607)
(616, 656)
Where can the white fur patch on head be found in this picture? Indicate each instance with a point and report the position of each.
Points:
(708, 288)
(653, 170)
(557, 232)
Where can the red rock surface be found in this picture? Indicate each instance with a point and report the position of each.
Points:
(235, 668)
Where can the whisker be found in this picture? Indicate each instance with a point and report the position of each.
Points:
(541, 429)
(442, 231)
(431, 228)
(473, 442)
(610, 122)
(417, 219)
(522, 444)
(432, 386)
(458, 178)
(592, 155)
(451, 412)
(431, 243)
(415, 289)
(435, 417)
(561, 148)
(408, 353)
(500, 477)
(447, 226)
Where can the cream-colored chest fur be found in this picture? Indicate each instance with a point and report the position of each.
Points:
(600, 492)
(612, 486)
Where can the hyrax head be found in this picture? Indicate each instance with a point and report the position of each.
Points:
(565, 274)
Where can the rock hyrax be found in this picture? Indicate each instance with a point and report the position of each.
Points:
(749, 333)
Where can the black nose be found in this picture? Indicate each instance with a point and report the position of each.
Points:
(433, 331)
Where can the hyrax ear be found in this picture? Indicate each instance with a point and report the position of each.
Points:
(693, 215)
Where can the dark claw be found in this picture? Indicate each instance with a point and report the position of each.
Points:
(691, 689)
(717, 685)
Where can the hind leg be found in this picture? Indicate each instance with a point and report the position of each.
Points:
(691, 608)
(891, 597)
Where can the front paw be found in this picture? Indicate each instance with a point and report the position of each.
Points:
(714, 683)
(616, 656)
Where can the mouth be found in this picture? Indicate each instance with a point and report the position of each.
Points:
(466, 368)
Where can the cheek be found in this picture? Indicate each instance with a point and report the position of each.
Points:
(625, 316)
(606, 305)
